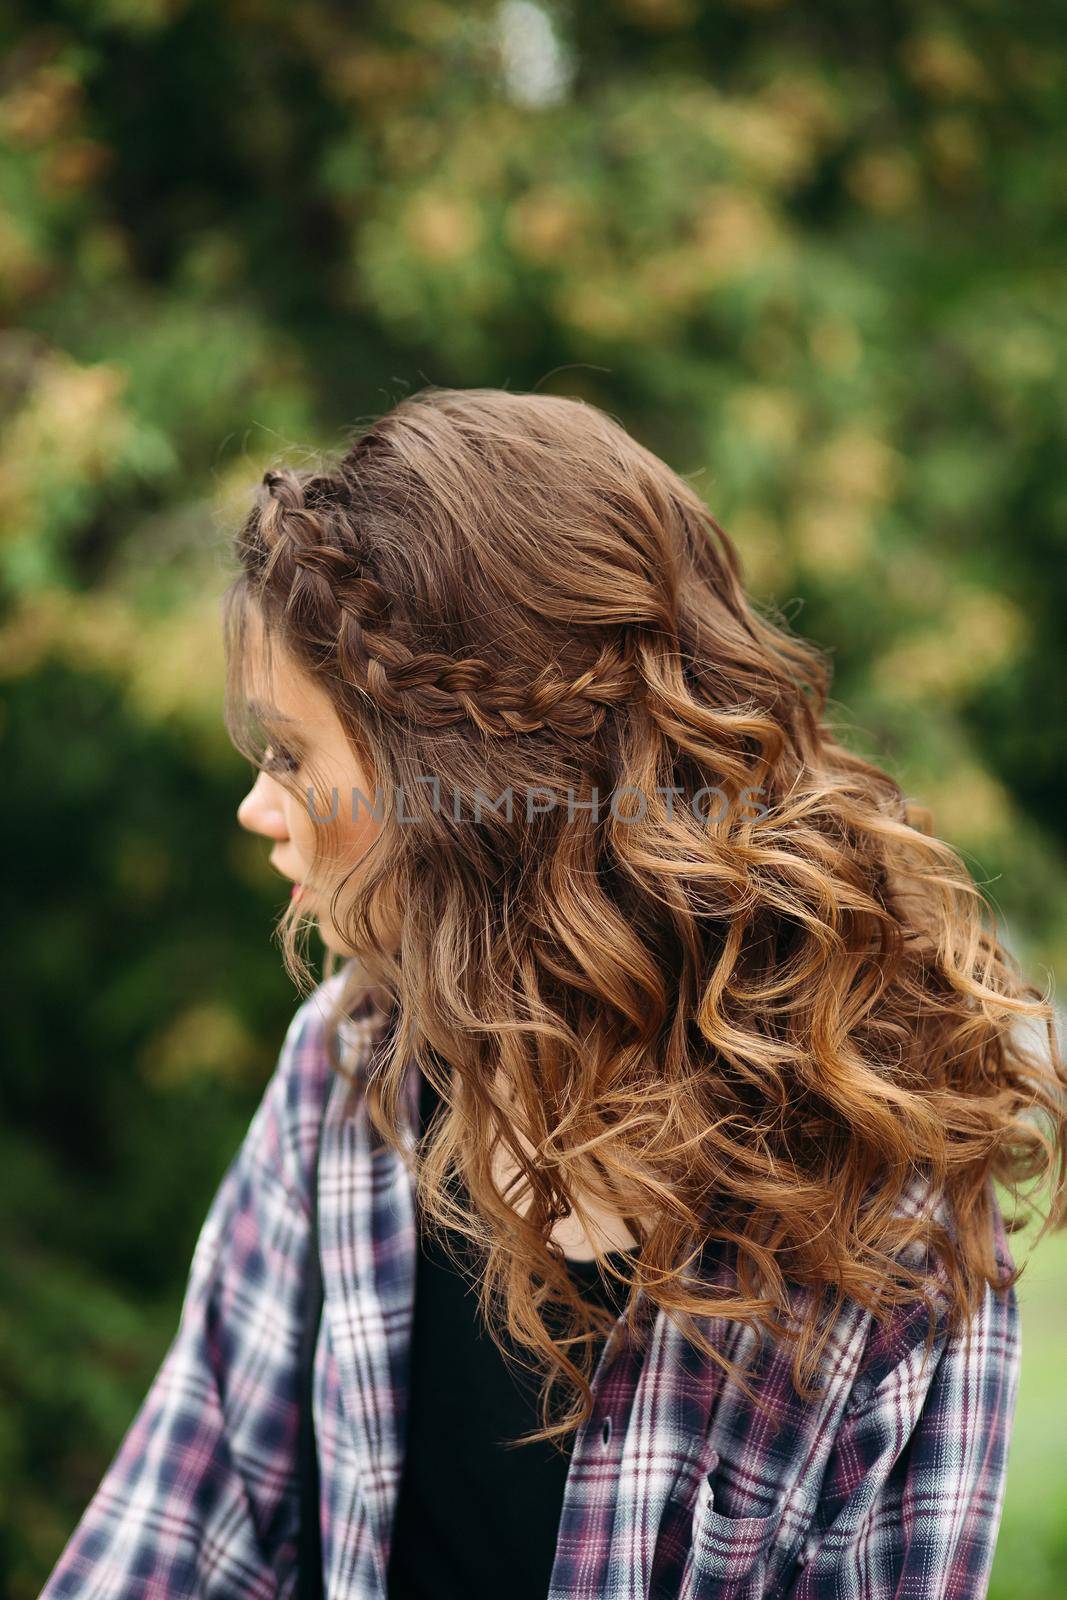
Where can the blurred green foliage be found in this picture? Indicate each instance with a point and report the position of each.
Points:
(811, 255)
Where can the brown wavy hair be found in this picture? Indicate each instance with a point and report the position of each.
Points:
(752, 1023)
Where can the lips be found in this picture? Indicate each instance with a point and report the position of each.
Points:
(281, 873)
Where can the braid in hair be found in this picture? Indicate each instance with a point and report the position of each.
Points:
(309, 544)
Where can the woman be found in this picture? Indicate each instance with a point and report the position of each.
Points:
(663, 1068)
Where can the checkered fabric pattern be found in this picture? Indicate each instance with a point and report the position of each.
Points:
(888, 1483)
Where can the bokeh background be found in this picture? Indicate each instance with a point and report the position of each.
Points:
(811, 254)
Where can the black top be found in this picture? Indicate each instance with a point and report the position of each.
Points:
(474, 1519)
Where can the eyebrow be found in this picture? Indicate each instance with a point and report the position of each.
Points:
(267, 713)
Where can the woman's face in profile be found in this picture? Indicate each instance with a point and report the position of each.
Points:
(307, 738)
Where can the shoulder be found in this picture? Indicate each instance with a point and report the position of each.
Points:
(918, 1338)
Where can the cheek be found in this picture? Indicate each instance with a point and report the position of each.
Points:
(301, 827)
(360, 832)
(344, 840)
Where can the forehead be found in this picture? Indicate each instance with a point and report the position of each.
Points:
(276, 687)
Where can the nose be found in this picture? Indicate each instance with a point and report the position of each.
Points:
(260, 811)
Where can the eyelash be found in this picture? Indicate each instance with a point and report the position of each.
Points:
(279, 760)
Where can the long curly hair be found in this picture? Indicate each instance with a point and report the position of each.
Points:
(745, 1025)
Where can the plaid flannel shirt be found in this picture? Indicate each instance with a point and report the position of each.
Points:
(889, 1483)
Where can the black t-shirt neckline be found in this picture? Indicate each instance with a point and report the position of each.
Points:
(587, 1273)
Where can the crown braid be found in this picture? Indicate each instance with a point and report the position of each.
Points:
(309, 549)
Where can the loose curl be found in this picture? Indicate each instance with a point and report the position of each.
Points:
(745, 1034)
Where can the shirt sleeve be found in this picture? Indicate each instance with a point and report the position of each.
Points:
(911, 1501)
(201, 1498)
